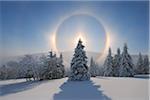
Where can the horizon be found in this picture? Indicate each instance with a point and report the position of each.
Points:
(39, 54)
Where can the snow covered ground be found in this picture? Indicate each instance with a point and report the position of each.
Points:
(100, 88)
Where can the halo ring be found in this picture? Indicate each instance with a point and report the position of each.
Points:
(107, 40)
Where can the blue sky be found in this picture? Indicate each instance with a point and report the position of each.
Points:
(26, 25)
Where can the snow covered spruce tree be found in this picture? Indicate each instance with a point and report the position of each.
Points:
(49, 66)
(108, 65)
(93, 68)
(60, 67)
(126, 64)
(146, 65)
(79, 68)
(116, 63)
(139, 66)
(53, 67)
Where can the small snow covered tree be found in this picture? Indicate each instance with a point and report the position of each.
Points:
(60, 67)
(93, 68)
(126, 64)
(60, 70)
(79, 68)
(116, 63)
(3, 72)
(146, 65)
(13, 67)
(101, 71)
(53, 67)
(28, 65)
(29, 74)
(139, 66)
(108, 65)
(42, 67)
(49, 66)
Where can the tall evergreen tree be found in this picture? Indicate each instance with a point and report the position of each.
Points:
(60, 67)
(126, 64)
(139, 66)
(93, 68)
(79, 68)
(146, 65)
(116, 62)
(108, 65)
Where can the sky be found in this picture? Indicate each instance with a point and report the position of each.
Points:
(27, 27)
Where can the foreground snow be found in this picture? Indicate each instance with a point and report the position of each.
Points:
(100, 88)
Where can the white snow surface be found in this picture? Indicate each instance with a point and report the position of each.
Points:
(99, 88)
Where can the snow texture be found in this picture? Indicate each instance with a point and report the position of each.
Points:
(99, 88)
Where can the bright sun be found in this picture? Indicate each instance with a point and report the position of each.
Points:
(80, 36)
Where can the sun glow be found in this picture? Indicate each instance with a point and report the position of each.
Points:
(81, 36)
(53, 42)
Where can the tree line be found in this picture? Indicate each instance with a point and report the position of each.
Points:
(51, 66)
(120, 65)
(34, 68)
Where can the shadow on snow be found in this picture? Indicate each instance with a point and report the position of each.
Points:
(80, 90)
(17, 87)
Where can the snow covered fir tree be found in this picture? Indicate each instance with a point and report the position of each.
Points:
(79, 68)
(116, 63)
(53, 67)
(142, 66)
(146, 65)
(126, 64)
(93, 69)
(108, 65)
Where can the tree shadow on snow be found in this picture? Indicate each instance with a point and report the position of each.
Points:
(80, 90)
(102, 77)
(17, 87)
